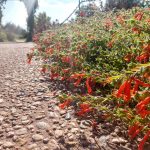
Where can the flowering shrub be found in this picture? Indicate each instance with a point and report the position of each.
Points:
(108, 55)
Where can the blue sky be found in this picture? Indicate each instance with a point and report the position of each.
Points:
(15, 11)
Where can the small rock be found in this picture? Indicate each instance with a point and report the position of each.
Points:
(10, 134)
(58, 133)
(32, 146)
(1, 100)
(45, 141)
(71, 143)
(8, 145)
(1, 119)
(37, 137)
(68, 116)
(119, 140)
(13, 110)
(52, 115)
(53, 145)
(74, 130)
(30, 127)
(38, 117)
(42, 125)
(70, 137)
(21, 131)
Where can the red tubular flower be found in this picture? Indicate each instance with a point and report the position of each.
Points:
(136, 30)
(108, 24)
(147, 48)
(128, 57)
(139, 82)
(78, 77)
(29, 58)
(141, 107)
(78, 82)
(110, 44)
(146, 137)
(125, 91)
(66, 59)
(120, 19)
(54, 75)
(134, 130)
(143, 57)
(84, 108)
(43, 70)
(65, 104)
(88, 81)
(138, 16)
(49, 51)
(82, 14)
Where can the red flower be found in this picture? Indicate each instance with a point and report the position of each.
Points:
(136, 30)
(78, 77)
(54, 75)
(29, 58)
(143, 57)
(49, 51)
(141, 145)
(134, 130)
(141, 107)
(147, 48)
(108, 24)
(125, 91)
(82, 14)
(120, 19)
(139, 16)
(84, 108)
(88, 82)
(110, 44)
(65, 104)
(66, 59)
(43, 70)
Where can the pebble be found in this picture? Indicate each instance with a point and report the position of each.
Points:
(42, 125)
(118, 140)
(32, 146)
(37, 137)
(1, 100)
(58, 133)
(21, 131)
(46, 140)
(8, 144)
(68, 116)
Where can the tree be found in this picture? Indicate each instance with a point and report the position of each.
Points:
(1, 6)
(127, 4)
(87, 10)
(31, 7)
(42, 22)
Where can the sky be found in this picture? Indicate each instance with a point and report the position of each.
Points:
(15, 11)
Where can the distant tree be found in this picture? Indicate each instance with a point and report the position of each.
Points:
(1, 6)
(127, 4)
(1, 15)
(42, 22)
(10, 27)
(31, 7)
(55, 23)
(87, 10)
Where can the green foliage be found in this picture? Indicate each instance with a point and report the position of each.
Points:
(42, 22)
(3, 36)
(127, 4)
(107, 59)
